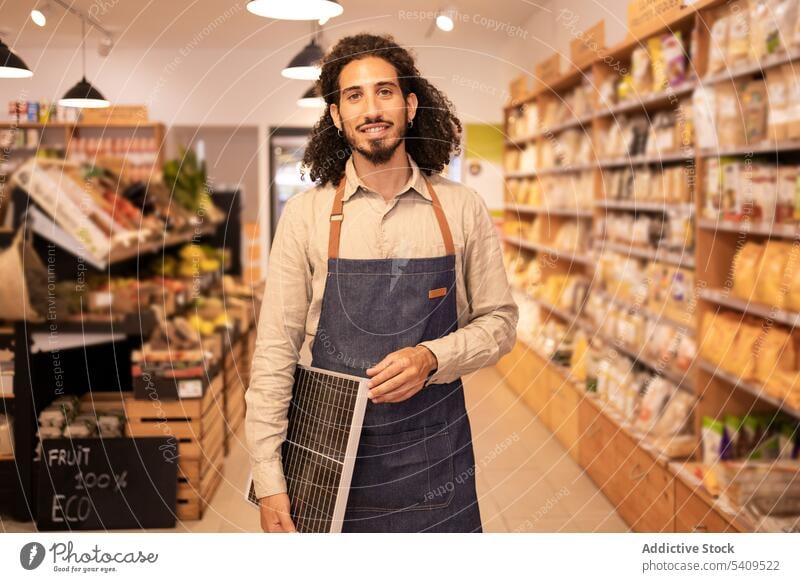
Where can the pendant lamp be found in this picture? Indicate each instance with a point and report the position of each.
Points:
(83, 94)
(11, 66)
(311, 99)
(295, 9)
(306, 64)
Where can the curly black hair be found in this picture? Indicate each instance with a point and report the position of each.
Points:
(436, 132)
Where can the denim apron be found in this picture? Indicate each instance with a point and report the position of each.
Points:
(415, 467)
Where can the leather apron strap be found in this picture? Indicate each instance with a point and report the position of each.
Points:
(337, 216)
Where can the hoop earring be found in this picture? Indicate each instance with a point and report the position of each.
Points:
(410, 124)
(339, 132)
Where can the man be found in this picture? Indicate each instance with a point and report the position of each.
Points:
(384, 270)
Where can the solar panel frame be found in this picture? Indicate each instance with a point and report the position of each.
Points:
(321, 445)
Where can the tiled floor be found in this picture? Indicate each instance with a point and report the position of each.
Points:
(526, 480)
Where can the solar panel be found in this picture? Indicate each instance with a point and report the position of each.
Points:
(325, 418)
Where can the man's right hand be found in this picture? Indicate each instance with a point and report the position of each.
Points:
(275, 516)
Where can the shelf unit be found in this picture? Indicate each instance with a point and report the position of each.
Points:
(652, 492)
(94, 352)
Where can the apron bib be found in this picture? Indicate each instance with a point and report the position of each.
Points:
(415, 467)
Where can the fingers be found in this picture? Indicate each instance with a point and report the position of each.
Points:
(392, 370)
(380, 366)
(286, 523)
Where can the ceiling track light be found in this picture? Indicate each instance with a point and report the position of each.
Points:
(40, 13)
(11, 66)
(296, 9)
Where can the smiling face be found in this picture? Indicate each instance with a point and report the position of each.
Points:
(372, 112)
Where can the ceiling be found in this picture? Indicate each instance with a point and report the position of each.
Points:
(217, 24)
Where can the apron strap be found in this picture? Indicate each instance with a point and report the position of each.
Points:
(337, 215)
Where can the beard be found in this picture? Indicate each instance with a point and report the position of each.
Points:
(377, 151)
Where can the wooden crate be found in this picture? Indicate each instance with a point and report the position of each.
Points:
(198, 425)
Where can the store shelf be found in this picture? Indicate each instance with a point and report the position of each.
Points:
(75, 124)
(644, 160)
(660, 207)
(686, 328)
(724, 299)
(653, 101)
(790, 231)
(749, 69)
(752, 388)
(527, 209)
(574, 319)
(574, 123)
(685, 259)
(684, 473)
(679, 378)
(569, 169)
(551, 251)
(751, 149)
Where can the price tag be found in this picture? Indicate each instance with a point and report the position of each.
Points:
(190, 389)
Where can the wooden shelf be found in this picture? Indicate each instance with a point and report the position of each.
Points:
(685, 260)
(635, 206)
(551, 251)
(725, 299)
(686, 328)
(527, 209)
(751, 149)
(651, 101)
(752, 388)
(789, 231)
(573, 319)
(77, 125)
(748, 69)
(644, 160)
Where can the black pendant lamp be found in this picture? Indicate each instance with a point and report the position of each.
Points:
(11, 66)
(305, 65)
(312, 98)
(83, 94)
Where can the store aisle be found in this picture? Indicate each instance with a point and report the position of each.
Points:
(526, 480)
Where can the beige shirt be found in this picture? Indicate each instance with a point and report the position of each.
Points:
(405, 227)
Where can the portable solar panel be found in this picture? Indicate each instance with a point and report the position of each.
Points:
(325, 418)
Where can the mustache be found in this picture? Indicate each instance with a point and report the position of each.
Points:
(375, 120)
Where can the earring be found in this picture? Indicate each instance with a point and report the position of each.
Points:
(339, 131)
(410, 124)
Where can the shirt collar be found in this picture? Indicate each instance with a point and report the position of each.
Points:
(416, 181)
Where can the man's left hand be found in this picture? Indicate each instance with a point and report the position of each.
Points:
(401, 374)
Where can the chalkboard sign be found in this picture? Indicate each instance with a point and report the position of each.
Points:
(112, 483)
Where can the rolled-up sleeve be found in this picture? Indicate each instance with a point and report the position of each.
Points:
(281, 329)
(493, 314)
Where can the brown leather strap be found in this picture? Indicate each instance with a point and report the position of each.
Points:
(447, 236)
(337, 216)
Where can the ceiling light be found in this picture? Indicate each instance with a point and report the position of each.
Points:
(306, 64)
(83, 94)
(39, 17)
(311, 99)
(295, 9)
(11, 66)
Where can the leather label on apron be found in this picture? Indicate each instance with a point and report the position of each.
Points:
(440, 292)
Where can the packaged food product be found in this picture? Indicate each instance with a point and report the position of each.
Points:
(641, 71)
(712, 433)
(657, 65)
(777, 94)
(781, 24)
(730, 115)
(704, 111)
(674, 56)
(738, 37)
(754, 105)
(718, 44)
(740, 359)
(732, 427)
(792, 79)
(676, 415)
(652, 403)
(774, 351)
(6, 436)
(770, 287)
(759, 15)
(745, 270)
